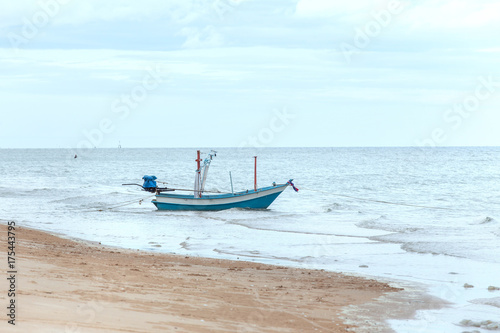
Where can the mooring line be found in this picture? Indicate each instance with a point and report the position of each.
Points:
(116, 205)
(126, 203)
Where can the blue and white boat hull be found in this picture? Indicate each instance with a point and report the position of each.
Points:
(260, 199)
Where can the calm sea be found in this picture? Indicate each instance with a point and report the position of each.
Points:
(426, 216)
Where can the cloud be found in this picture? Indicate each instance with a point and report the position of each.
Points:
(202, 38)
(176, 11)
(149, 24)
(80, 12)
(456, 14)
(320, 8)
(73, 12)
(423, 14)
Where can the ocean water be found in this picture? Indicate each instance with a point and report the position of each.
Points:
(429, 218)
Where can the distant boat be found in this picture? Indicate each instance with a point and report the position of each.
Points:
(258, 198)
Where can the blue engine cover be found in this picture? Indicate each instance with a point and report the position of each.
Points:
(149, 181)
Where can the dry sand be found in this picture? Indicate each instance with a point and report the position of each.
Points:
(64, 285)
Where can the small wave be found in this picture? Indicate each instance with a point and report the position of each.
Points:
(433, 248)
(68, 199)
(8, 193)
(125, 193)
(36, 192)
(43, 189)
(487, 301)
(420, 247)
(333, 207)
(380, 222)
(486, 220)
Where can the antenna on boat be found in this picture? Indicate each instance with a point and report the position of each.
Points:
(200, 180)
(206, 166)
(255, 175)
(231, 177)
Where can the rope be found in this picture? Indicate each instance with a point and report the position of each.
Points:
(117, 205)
(126, 203)
(381, 201)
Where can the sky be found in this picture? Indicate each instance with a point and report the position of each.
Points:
(249, 73)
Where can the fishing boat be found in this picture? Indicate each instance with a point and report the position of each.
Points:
(258, 198)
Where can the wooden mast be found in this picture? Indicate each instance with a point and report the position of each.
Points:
(198, 160)
(198, 171)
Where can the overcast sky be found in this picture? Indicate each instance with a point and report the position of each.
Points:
(229, 73)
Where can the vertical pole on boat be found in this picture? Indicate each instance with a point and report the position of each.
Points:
(231, 177)
(198, 160)
(198, 171)
(255, 175)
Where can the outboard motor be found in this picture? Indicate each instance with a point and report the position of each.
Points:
(149, 183)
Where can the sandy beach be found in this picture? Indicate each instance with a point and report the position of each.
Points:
(64, 285)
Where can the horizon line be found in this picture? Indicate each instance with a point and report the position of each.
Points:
(232, 147)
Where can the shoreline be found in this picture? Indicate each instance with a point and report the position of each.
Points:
(67, 285)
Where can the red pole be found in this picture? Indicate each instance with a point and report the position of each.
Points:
(255, 175)
(198, 160)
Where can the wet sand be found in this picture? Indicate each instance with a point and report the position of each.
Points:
(64, 285)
